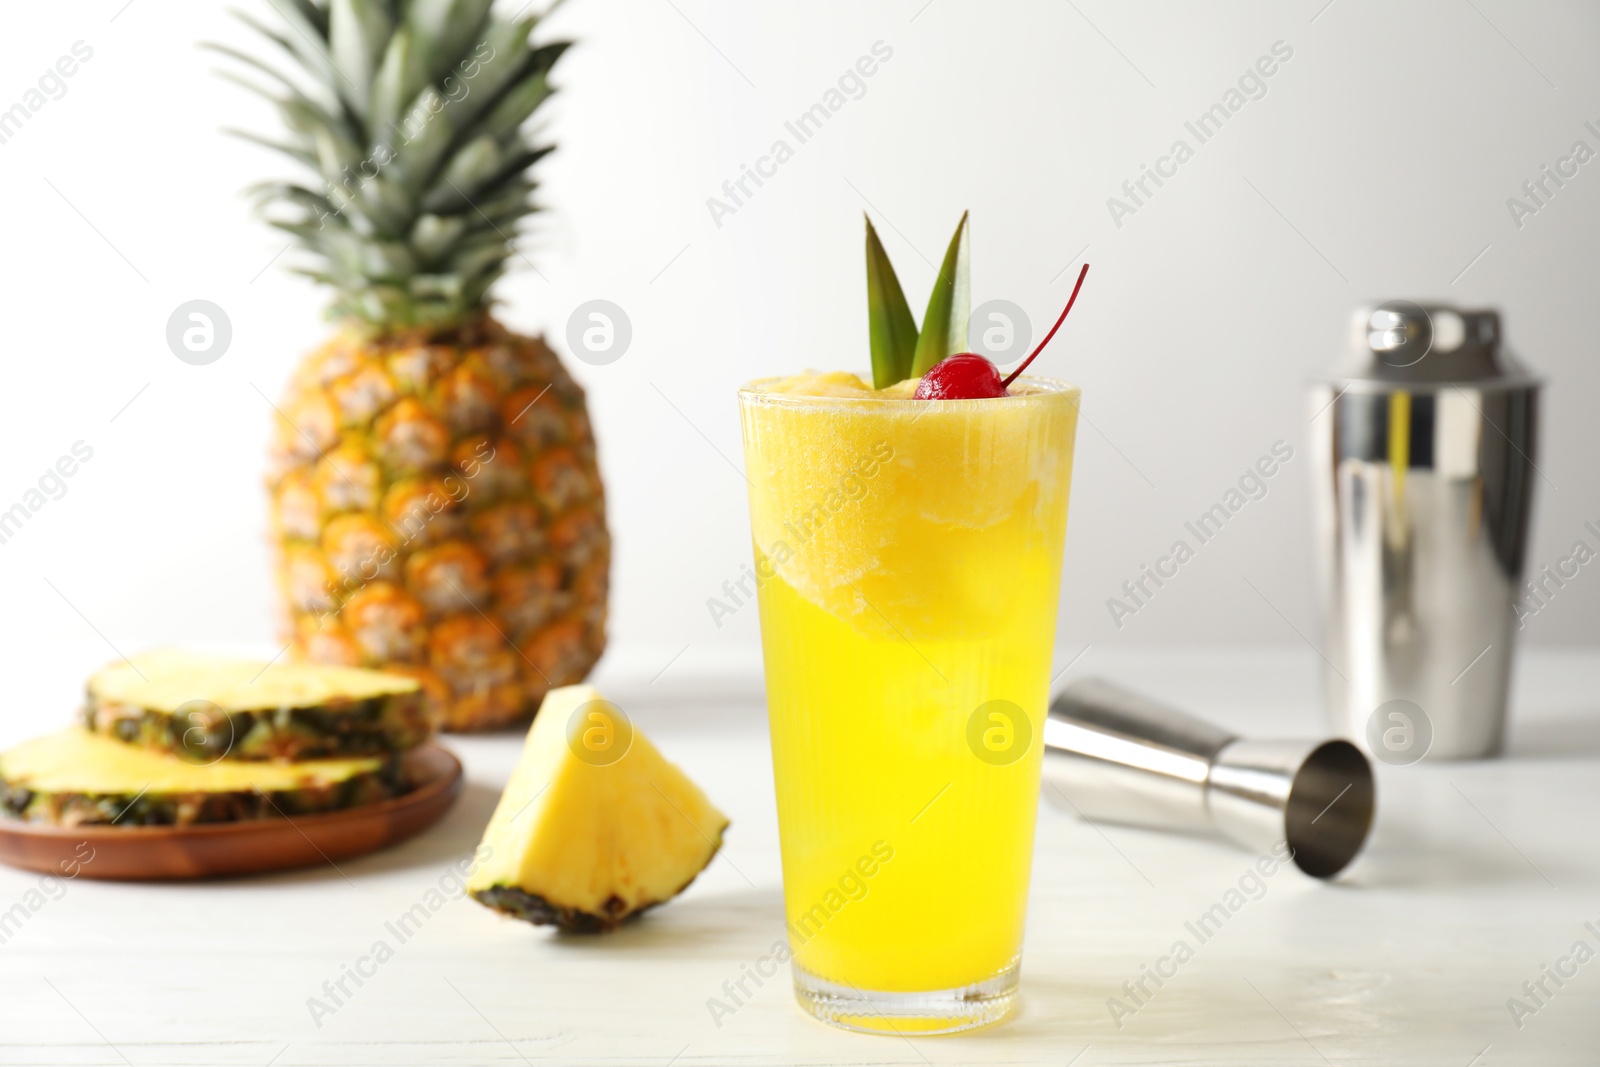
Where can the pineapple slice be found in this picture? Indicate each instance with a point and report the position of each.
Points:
(595, 825)
(205, 707)
(74, 778)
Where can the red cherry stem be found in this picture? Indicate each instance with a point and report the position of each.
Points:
(1070, 300)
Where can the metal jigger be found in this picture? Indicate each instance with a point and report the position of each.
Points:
(1120, 757)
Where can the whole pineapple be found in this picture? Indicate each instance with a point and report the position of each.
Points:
(437, 508)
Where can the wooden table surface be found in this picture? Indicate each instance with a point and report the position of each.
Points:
(1478, 877)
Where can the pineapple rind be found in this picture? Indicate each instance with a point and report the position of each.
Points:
(193, 809)
(359, 728)
(531, 907)
(613, 912)
(438, 511)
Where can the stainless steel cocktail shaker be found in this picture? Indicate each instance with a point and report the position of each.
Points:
(1424, 457)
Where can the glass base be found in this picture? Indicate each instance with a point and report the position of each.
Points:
(938, 1011)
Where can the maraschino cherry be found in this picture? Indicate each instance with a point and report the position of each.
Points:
(963, 376)
(970, 376)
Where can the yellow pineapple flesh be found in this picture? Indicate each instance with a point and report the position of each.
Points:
(595, 825)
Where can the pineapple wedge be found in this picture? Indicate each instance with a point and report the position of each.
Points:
(594, 826)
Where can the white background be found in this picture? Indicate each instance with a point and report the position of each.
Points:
(1377, 165)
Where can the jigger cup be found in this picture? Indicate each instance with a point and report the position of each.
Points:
(1116, 756)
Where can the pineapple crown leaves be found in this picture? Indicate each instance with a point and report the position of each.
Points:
(899, 350)
(410, 116)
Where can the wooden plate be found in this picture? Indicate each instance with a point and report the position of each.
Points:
(255, 845)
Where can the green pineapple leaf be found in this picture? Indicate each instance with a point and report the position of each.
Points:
(358, 30)
(944, 324)
(893, 330)
(447, 28)
(400, 77)
(414, 116)
(306, 41)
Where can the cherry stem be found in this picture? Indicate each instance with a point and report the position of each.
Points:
(1070, 300)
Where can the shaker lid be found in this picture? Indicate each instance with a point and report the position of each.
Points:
(1401, 342)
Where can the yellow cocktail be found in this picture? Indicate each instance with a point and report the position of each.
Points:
(909, 561)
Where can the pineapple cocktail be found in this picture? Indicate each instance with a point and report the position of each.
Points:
(908, 553)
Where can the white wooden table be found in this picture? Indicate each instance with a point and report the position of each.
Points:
(1478, 875)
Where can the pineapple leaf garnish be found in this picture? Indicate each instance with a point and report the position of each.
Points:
(893, 330)
(944, 324)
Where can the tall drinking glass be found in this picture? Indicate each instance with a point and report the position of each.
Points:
(908, 562)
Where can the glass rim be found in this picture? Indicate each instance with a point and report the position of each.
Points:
(753, 392)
